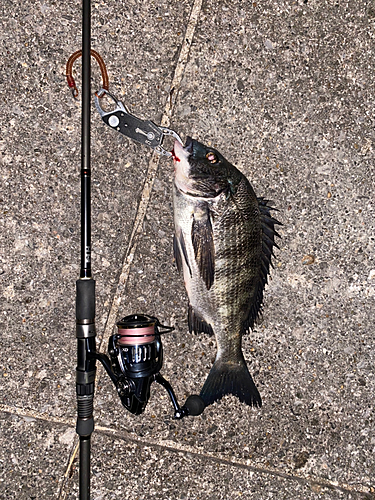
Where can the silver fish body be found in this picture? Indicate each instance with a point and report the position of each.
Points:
(224, 236)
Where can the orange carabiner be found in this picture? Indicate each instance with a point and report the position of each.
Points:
(69, 70)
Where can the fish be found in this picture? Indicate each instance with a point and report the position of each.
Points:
(223, 242)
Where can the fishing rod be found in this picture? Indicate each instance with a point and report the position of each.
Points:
(85, 285)
(135, 351)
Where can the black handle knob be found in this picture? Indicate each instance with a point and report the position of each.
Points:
(194, 405)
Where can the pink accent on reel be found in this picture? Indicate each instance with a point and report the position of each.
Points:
(136, 336)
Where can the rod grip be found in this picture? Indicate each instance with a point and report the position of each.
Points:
(85, 299)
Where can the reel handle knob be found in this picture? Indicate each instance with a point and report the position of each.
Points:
(194, 405)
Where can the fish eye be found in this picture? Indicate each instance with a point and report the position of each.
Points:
(211, 157)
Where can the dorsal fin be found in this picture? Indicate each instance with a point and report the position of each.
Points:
(268, 224)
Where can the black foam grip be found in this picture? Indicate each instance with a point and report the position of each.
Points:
(85, 299)
(195, 405)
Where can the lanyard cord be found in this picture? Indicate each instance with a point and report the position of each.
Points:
(69, 70)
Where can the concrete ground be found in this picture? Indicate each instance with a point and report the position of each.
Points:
(285, 91)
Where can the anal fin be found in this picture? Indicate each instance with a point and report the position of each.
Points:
(197, 324)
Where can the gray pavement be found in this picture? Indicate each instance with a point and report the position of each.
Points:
(285, 90)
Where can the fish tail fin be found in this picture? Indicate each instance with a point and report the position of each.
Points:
(230, 378)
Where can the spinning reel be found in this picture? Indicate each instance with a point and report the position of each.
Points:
(136, 358)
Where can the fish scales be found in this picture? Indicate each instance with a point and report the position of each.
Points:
(221, 244)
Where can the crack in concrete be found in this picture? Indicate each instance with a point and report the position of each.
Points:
(178, 448)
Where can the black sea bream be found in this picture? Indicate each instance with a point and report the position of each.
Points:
(224, 236)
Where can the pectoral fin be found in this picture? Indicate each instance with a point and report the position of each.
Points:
(179, 244)
(203, 244)
(177, 254)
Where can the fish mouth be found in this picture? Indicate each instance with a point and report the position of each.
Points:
(180, 152)
(174, 155)
(182, 167)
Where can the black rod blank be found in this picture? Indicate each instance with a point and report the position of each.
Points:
(84, 468)
(86, 144)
